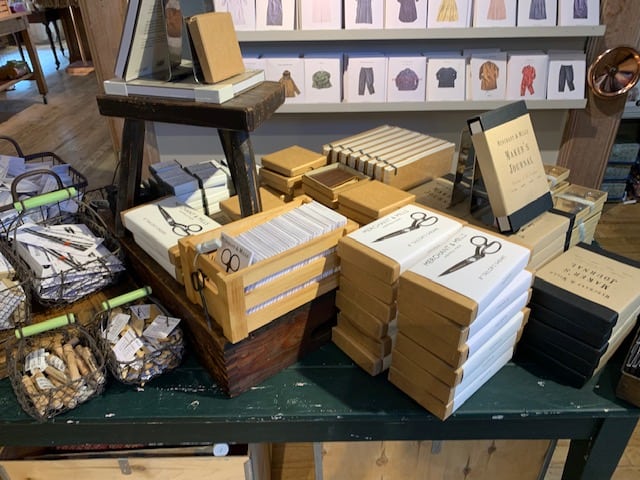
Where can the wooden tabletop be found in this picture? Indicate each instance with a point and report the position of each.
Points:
(245, 112)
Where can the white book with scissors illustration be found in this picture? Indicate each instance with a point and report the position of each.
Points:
(387, 247)
(462, 277)
(163, 222)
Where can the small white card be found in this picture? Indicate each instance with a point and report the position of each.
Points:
(365, 79)
(232, 255)
(578, 12)
(446, 79)
(161, 327)
(125, 349)
(406, 79)
(323, 78)
(275, 14)
(527, 76)
(243, 12)
(288, 71)
(405, 14)
(363, 14)
(320, 14)
(36, 360)
(449, 14)
(494, 13)
(116, 325)
(537, 13)
(141, 311)
(567, 73)
(488, 76)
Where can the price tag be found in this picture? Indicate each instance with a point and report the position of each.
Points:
(161, 327)
(116, 325)
(141, 311)
(125, 349)
(36, 360)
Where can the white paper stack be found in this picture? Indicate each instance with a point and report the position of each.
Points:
(215, 184)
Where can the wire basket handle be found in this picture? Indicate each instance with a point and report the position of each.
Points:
(45, 326)
(126, 298)
(33, 173)
(45, 199)
(15, 144)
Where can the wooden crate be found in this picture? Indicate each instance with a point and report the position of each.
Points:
(5, 11)
(238, 310)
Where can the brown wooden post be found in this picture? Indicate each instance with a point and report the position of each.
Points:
(589, 134)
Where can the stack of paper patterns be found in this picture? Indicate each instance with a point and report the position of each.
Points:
(584, 304)
(371, 261)
(67, 261)
(157, 227)
(394, 155)
(460, 311)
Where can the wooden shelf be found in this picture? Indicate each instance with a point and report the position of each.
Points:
(7, 84)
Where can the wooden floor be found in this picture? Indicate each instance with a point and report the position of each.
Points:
(71, 126)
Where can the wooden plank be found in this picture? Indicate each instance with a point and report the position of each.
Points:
(590, 133)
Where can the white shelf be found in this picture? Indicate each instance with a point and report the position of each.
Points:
(419, 34)
(426, 106)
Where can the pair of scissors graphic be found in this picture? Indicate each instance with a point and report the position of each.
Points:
(483, 247)
(181, 229)
(230, 260)
(420, 219)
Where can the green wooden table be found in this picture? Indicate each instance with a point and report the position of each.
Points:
(325, 397)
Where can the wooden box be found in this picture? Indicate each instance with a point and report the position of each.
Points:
(269, 200)
(293, 161)
(5, 10)
(240, 310)
(315, 186)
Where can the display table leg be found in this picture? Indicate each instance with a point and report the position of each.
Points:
(131, 155)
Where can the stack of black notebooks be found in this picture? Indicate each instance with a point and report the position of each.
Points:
(584, 304)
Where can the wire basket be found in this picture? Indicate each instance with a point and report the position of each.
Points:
(54, 366)
(139, 339)
(66, 250)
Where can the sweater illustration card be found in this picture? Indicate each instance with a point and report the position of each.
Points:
(446, 79)
(406, 79)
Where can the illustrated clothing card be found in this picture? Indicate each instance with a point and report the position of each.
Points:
(488, 76)
(405, 14)
(406, 79)
(365, 79)
(243, 12)
(494, 13)
(275, 14)
(320, 14)
(537, 13)
(527, 76)
(449, 14)
(323, 79)
(578, 12)
(359, 14)
(446, 79)
(289, 72)
(567, 73)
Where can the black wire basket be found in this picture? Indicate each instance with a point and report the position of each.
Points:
(54, 366)
(140, 340)
(65, 248)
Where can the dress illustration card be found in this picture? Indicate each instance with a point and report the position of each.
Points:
(449, 14)
(537, 13)
(275, 14)
(320, 14)
(405, 14)
(243, 12)
(578, 12)
(363, 14)
(494, 13)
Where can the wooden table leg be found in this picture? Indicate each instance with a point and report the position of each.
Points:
(35, 63)
(131, 155)
(240, 157)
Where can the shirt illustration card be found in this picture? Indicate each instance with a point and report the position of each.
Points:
(406, 79)
(494, 13)
(446, 79)
(407, 234)
(474, 263)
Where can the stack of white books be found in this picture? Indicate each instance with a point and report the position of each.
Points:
(215, 184)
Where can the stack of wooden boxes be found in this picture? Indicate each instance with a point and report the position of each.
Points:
(282, 170)
(372, 259)
(583, 207)
(369, 201)
(546, 236)
(460, 312)
(584, 304)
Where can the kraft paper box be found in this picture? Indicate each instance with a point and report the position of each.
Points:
(231, 206)
(566, 78)
(243, 13)
(490, 13)
(288, 71)
(365, 79)
(527, 75)
(279, 182)
(537, 13)
(333, 179)
(488, 76)
(333, 149)
(390, 245)
(446, 79)
(275, 15)
(374, 199)
(584, 12)
(385, 292)
(359, 14)
(320, 14)
(449, 14)
(216, 45)
(406, 82)
(293, 161)
(405, 14)
(323, 78)
(542, 231)
(378, 147)
(452, 279)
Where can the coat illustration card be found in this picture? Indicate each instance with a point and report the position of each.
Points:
(322, 73)
(512, 170)
(488, 76)
(289, 72)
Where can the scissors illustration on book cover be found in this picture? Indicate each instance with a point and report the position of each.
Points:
(483, 247)
(420, 219)
(181, 229)
(230, 260)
